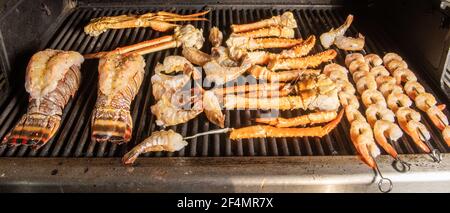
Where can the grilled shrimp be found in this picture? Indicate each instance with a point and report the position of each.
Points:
(413, 88)
(404, 75)
(358, 65)
(338, 75)
(373, 60)
(385, 79)
(397, 100)
(348, 100)
(396, 64)
(405, 114)
(446, 135)
(353, 114)
(370, 97)
(353, 57)
(349, 43)
(333, 67)
(215, 37)
(195, 56)
(212, 109)
(409, 121)
(391, 56)
(359, 74)
(388, 88)
(159, 141)
(424, 101)
(328, 38)
(379, 71)
(170, 112)
(345, 86)
(437, 117)
(383, 129)
(362, 137)
(379, 112)
(366, 83)
(52, 78)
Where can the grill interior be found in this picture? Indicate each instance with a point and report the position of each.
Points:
(73, 137)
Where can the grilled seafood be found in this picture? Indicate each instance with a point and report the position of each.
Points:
(349, 43)
(285, 20)
(437, 117)
(358, 65)
(212, 109)
(263, 73)
(333, 67)
(359, 74)
(345, 86)
(353, 114)
(353, 57)
(348, 100)
(379, 71)
(302, 49)
(402, 75)
(409, 121)
(397, 100)
(373, 60)
(120, 77)
(215, 37)
(240, 45)
(274, 31)
(385, 79)
(266, 131)
(221, 74)
(366, 83)
(384, 129)
(413, 88)
(248, 88)
(158, 21)
(391, 56)
(328, 38)
(52, 78)
(396, 64)
(169, 109)
(185, 36)
(196, 56)
(390, 88)
(159, 141)
(370, 97)
(376, 112)
(312, 118)
(424, 101)
(362, 137)
(302, 62)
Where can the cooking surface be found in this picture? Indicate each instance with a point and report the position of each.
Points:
(73, 137)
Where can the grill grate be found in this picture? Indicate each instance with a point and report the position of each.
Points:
(73, 137)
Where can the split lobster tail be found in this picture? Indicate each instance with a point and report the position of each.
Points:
(52, 78)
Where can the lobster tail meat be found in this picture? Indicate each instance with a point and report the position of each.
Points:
(120, 77)
(52, 78)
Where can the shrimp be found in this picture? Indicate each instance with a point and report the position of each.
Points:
(413, 88)
(159, 141)
(376, 112)
(383, 129)
(391, 56)
(397, 100)
(370, 97)
(373, 60)
(389, 88)
(353, 57)
(424, 101)
(385, 79)
(353, 114)
(328, 38)
(446, 135)
(437, 117)
(338, 75)
(365, 83)
(405, 113)
(404, 75)
(362, 137)
(359, 74)
(358, 65)
(346, 87)
(379, 71)
(212, 109)
(350, 43)
(409, 121)
(334, 67)
(396, 64)
(348, 100)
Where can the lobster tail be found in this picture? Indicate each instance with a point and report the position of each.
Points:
(113, 125)
(33, 130)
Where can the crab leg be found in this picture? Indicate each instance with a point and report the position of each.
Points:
(303, 62)
(312, 118)
(262, 73)
(122, 50)
(275, 31)
(286, 19)
(263, 131)
(248, 88)
(164, 13)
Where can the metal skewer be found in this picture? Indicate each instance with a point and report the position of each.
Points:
(435, 154)
(405, 166)
(215, 131)
(383, 179)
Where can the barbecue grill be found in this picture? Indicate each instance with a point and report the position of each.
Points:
(71, 161)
